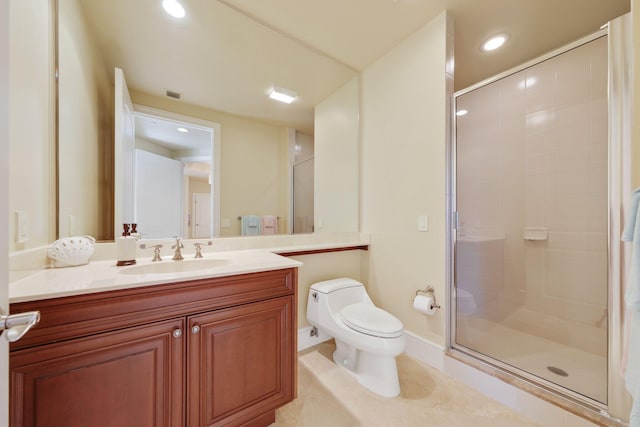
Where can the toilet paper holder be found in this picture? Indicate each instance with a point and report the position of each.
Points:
(429, 292)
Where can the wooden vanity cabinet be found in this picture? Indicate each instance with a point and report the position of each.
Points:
(222, 354)
(132, 377)
(240, 363)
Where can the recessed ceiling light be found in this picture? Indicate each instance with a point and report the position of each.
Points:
(282, 95)
(494, 42)
(173, 8)
(183, 130)
(461, 112)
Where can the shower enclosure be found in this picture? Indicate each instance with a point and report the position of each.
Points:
(530, 198)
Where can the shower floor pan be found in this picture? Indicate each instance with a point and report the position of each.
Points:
(577, 370)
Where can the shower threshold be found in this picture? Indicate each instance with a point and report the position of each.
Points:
(577, 404)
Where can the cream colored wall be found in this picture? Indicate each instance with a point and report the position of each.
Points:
(404, 116)
(325, 266)
(635, 16)
(4, 197)
(84, 127)
(254, 162)
(198, 185)
(31, 121)
(337, 151)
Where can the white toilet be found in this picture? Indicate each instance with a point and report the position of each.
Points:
(368, 339)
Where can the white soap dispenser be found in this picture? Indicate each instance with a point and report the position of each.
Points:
(126, 246)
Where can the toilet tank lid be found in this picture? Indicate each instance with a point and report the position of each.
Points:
(329, 286)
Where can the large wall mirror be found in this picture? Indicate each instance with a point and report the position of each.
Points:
(214, 66)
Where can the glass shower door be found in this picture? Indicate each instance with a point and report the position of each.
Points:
(530, 257)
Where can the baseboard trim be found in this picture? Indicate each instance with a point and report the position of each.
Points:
(305, 340)
(424, 350)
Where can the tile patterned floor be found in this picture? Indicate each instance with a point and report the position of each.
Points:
(329, 396)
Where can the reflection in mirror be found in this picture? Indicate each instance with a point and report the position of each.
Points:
(85, 130)
(303, 170)
(173, 178)
(221, 65)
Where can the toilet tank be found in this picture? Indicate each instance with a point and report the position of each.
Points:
(338, 293)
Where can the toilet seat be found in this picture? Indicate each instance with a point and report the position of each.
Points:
(370, 320)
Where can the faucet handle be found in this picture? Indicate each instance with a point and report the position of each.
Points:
(177, 256)
(156, 251)
(198, 246)
(178, 244)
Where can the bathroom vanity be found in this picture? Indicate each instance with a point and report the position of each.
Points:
(203, 351)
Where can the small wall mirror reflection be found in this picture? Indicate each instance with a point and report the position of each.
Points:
(173, 178)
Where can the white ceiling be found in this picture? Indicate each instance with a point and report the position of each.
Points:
(195, 142)
(357, 32)
(227, 54)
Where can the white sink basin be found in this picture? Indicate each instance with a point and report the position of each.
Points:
(171, 267)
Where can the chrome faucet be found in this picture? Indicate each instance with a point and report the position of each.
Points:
(199, 248)
(177, 256)
(156, 251)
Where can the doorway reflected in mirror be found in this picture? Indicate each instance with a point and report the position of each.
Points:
(173, 178)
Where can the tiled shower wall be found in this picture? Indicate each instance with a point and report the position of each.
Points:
(532, 152)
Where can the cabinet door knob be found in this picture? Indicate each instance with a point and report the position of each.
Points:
(177, 333)
(195, 329)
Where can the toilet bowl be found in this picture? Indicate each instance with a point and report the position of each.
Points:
(368, 339)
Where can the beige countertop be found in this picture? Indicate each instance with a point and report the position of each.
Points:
(99, 276)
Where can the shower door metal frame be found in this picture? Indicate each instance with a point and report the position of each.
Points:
(452, 215)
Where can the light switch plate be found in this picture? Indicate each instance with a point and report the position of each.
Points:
(22, 227)
(423, 223)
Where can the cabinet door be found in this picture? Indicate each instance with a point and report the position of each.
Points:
(131, 377)
(241, 363)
